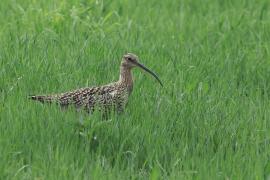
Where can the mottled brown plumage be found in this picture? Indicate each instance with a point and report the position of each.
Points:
(113, 96)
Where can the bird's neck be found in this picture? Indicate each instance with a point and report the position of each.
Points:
(125, 78)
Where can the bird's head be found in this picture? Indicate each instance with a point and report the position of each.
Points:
(130, 60)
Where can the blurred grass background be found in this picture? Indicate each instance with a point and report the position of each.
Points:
(211, 121)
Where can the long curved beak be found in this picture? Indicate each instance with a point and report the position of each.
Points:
(149, 71)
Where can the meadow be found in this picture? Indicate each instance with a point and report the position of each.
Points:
(211, 119)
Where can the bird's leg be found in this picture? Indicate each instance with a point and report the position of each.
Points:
(119, 108)
(106, 113)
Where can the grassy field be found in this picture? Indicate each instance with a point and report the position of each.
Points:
(210, 121)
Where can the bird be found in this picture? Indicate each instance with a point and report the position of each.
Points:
(106, 98)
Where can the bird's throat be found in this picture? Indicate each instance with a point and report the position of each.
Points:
(126, 77)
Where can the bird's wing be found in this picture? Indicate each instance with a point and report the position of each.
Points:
(84, 97)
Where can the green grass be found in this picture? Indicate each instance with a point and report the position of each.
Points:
(210, 121)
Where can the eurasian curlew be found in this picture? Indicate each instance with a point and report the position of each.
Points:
(113, 96)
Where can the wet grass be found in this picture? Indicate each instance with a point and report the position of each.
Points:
(210, 121)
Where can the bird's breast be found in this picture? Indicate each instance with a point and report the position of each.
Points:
(129, 89)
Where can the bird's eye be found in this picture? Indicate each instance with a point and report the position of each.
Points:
(129, 58)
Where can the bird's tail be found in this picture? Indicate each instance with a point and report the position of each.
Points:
(43, 98)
